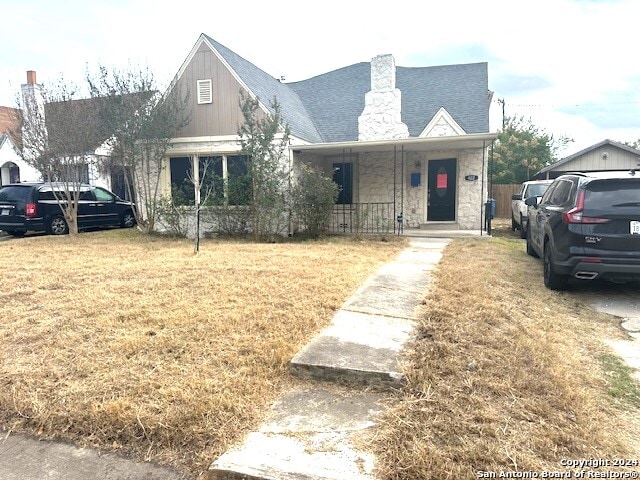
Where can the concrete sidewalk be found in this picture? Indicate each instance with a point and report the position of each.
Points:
(624, 302)
(27, 458)
(320, 433)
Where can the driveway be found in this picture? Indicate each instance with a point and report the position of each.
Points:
(623, 301)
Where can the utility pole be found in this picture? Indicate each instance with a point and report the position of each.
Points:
(501, 102)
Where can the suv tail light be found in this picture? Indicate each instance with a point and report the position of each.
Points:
(30, 210)
(576, 214)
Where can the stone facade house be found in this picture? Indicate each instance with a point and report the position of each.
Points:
(407, 146)
(605, 155)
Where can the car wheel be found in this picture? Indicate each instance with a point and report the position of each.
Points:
(530, 250)
(17, 233)
(128, 220)
(523, 229)
(514, 225)
(58, 226)
(552, 280)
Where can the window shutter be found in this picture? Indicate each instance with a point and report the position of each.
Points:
(205, 91)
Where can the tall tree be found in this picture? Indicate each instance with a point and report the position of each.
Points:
(140, 123)
(522, 149)
(265, 140)
(61, 134)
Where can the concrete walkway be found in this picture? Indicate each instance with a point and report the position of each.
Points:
(313, 433)
(317, 433)
(624, 302)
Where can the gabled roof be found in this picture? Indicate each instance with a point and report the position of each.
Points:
(6, 138)
(10, 120)
(336, 99)
(326, 108)
(561, 162)
(266, 88)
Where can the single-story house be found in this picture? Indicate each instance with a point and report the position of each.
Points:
(606, 155)
(406, 145)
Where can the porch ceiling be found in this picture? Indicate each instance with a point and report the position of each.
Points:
(458, 142)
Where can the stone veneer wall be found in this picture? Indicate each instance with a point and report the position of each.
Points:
(471, 194)
(375, 184)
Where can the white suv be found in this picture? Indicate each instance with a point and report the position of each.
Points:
(534, 188)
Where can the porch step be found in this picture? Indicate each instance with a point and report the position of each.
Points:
(312, 434)
(439, 226)
(356, 348)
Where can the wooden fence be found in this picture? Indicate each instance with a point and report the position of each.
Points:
(502, 195)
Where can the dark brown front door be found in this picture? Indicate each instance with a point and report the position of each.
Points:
(441, 193)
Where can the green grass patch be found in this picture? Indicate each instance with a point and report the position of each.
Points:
(621, 384)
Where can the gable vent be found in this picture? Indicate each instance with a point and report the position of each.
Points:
(205, 91)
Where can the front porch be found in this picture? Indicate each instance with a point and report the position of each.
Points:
(406, 186)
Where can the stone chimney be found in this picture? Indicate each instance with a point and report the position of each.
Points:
(381, 117)
(34, 129)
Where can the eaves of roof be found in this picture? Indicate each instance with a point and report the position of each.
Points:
(561, 162)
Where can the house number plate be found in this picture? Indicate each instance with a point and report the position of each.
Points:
(635, 227)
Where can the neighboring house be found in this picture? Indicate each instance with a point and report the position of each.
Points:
(606, 155)
(13, 168)
(42, 119)
(406, 144)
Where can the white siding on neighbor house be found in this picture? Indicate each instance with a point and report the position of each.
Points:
(606, 157)
(8, 155)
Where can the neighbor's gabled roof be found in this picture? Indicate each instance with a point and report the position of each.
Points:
(565, 160)
(325, 108)
(10, 123)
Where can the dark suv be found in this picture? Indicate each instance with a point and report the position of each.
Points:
(35, 207)
(587, 226)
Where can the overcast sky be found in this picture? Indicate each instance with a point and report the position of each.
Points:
(572, 66)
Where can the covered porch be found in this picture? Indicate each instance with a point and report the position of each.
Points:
(406, 186)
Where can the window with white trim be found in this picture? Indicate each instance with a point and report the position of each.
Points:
(205, 91)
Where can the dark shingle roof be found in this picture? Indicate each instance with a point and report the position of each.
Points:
(326, 108)
(335, 100)
(266, 88)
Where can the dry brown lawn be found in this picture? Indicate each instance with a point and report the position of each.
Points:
(506, 375)
(126, 342)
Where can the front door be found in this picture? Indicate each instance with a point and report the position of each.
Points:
(441, 192)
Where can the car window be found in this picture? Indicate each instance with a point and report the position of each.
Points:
(562, 193)
(48, 195)
(86, 195)
(616, 196)
(536, 190)
(14, 194)
(102, 195)
(547, 195)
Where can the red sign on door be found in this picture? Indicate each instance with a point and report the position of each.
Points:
(441, 180)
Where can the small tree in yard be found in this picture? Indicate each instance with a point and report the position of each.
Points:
(265, 141)
(140, 123)
(314, 196)
(63, 148)
(522, 149)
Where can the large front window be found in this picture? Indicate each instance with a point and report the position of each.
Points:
(224, 179)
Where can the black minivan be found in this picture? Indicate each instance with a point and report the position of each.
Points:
(587, 226)
(35, 207)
